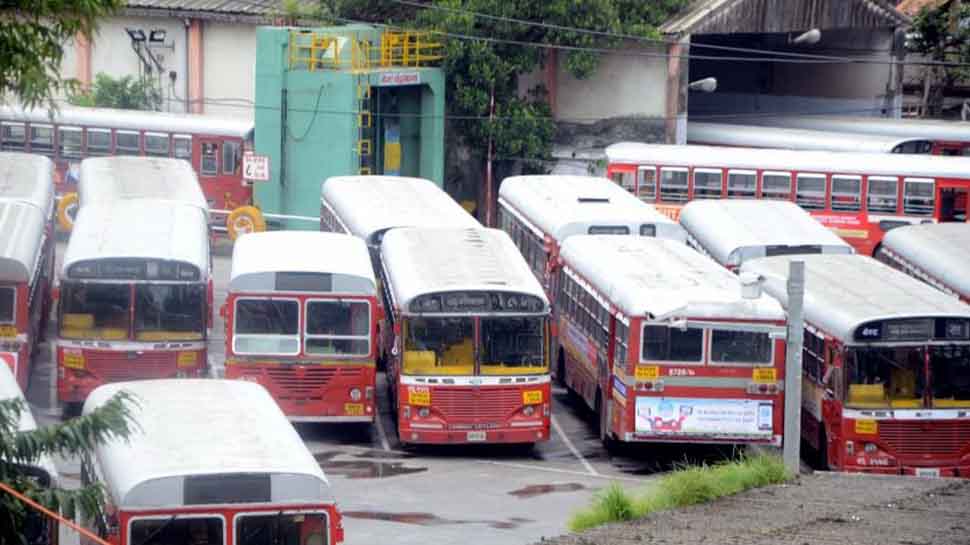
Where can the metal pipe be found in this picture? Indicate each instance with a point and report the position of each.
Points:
(793, 367)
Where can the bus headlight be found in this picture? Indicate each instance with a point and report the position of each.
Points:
(424, 412)
(870, 447)
(355, 394)
(529, 410)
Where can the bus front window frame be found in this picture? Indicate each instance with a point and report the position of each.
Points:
(663, 325)
(13, 305)
(768, 361)
(956, 384)
(435, 356)
(85, 325)
(274, 514)
(352, 337)
(284, 337)
(875, 386)
(161, 334)
(487, 336)
(175, 517)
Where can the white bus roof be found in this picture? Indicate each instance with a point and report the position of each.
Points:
(941, 250)
(370, 205)
(22, 232)
(662, 279)
(734, 231)
(876, 164)
(931, 129)
(139, 229)
(420, 261)
(189, 429)
(258, 258)
(562, 206)
(844, 292)
(27, 178)
(105, 179)
(131, 120)
(9, 389)
(755, 136)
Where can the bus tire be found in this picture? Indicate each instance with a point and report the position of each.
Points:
(603, 421)
(66, 210)
(71, 410)
(822, 454)
(245, 219)
(561, 368)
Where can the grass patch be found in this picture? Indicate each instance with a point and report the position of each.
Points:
(680, 488)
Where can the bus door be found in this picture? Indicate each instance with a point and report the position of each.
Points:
(953, 202)
(220, 171)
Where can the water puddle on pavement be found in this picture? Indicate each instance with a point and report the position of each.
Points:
(384, 454)
(362, 469)
(534, 490)
(428, 519)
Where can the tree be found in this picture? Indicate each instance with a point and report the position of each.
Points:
(941, 34)
(71, 438)
(32, 39)
(127, 93)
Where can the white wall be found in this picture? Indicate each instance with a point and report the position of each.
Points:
(229, 57)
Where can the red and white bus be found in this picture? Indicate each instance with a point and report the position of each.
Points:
(860, 196)
(541, 212)
(886, 366)
(134, 296)
(734, 231)
(38, 530)
(666, 345)
(301, 319)
(755, 136)
(936, 253)
(208, 461)
(470, 347)
(947, 137)
(26, 257)
(213, 146)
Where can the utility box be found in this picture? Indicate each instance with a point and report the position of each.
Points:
(342, 101)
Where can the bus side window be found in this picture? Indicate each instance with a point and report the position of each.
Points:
(846, 193)
(813, 355)
(918, 197)
(810, 191)
(210, 159)
(647, 184)
(14, 136)
(99, 142)
(882, 194)
(69, 142)
(707, 183)
(742, 184)
(625, 180)
(776, 185)
(156, 144)
(42, 139)
(231, 156)
(183, 147)
(126, 143)
(673, 184)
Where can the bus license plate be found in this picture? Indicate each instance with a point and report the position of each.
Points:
(8, 331)
(927, 472)
(354, 409)
(476, 436)
(532, 397)
(764, 375)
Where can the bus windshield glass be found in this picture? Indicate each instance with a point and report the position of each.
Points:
(663, 343)
(95, 311)
(439, 346)
(337, 328)
(8, 297)
(280, 528)
(512, 345)
(267, 326)
(950, 373)
(169, 312)
(884, 377)
(162, 530)
(740, 347)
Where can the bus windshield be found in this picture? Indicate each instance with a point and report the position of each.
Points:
(338, 328)
(439, 346)
(512, 345)
(281, 528)
(950, 374)
(162, 530)
(95, 311)
(169, 312)
(267, 326)
(882, 378)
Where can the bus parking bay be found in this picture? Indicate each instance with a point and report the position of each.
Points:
(467, 494)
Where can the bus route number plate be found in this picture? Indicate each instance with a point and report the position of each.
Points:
(354, 409)
(8, 331)
(532, 397)
(647, 372)
(419, 396)
(187, 359)
(73, 360)
(866, 427)
(764, 375)
(476, 436)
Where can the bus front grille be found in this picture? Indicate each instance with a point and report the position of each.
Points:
(306, 382)
(476, 404)
(115, 366)
(938, 438)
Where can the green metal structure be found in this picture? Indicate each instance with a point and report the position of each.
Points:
(343, 101)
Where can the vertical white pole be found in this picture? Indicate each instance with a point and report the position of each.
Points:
(793, 366)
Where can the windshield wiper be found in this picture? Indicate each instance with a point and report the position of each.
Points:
(159, 530)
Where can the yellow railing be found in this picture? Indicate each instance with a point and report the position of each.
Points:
(318, 51)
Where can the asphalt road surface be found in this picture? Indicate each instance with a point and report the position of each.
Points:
(468, 495)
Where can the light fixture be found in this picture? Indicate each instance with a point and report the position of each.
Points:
(157, 36)
(706, 85)
(136, 34)
(810, 37)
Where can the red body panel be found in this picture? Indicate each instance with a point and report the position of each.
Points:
(103, 366)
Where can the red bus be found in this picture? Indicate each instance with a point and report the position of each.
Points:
(470, 338)
(26, 257)
(209, 462)
(301, 319)
(665, 345)
(755, 136)
(886, 367)
(936, 253)
(213, 146)
(860, 196)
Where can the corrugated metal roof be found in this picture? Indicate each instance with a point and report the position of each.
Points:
(247, 7)
(763, 16)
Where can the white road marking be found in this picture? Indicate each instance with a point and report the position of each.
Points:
(572, 448)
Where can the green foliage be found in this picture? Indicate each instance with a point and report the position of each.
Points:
(686, 486)
(127, 93)
(75, 437)
(32, 39)
(942, 34)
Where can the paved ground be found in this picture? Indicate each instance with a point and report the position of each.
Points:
(469, 495)
(823, 508)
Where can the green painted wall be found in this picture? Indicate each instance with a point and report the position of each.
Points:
(315, 135)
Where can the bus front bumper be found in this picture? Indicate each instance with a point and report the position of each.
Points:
(520, 433)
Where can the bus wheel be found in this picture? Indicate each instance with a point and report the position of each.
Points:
(602, 412)
(66, 210)
(822, 454)
(561, 369)
(71, 410)
(245, 219)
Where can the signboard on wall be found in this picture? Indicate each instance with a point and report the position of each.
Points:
(388, 79)
(255, 167)
(681, 416)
